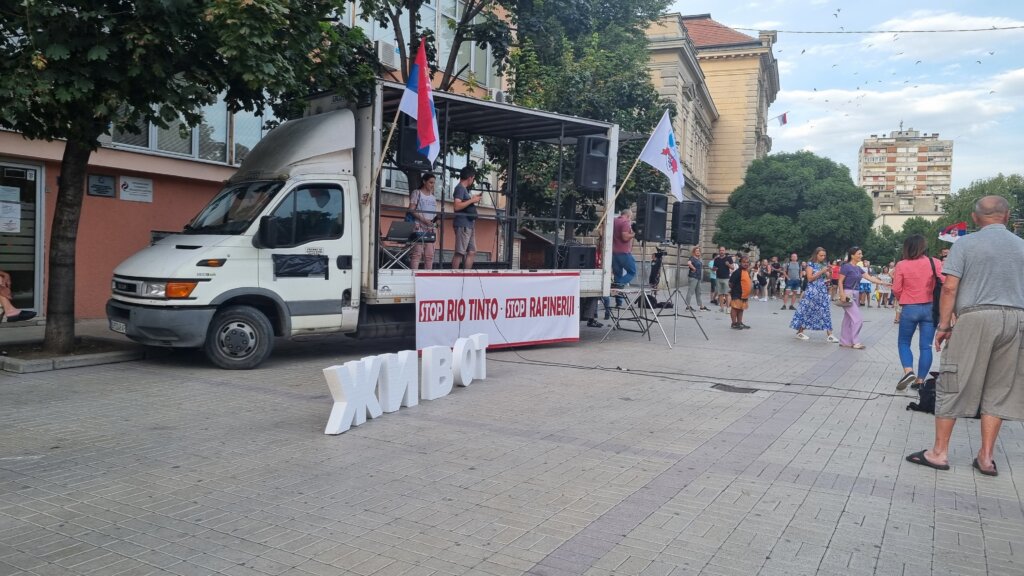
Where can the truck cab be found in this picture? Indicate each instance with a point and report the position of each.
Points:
(275, 253)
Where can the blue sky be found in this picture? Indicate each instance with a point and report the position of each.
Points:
(840, 88)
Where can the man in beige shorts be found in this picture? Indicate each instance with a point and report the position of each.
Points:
(982, 367)
(465, 220)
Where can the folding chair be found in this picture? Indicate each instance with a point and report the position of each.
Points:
(396, 245)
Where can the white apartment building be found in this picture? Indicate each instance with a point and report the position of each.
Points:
(906, 174)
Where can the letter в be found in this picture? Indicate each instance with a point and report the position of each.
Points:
(436, 375)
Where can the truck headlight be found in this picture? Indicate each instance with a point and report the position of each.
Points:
(154, 289)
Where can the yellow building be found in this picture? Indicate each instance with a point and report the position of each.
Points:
(742, 77)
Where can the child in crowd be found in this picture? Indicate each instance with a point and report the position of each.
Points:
(740, 288)
(884, 293)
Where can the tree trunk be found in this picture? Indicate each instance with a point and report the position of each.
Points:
(60, 288)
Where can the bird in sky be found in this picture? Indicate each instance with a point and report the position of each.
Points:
(991, 91)
(991, 53)
(804, 50)
(916, 63)
(978, 61)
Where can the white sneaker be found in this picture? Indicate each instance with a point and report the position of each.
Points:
(832, 339)
(802, 336)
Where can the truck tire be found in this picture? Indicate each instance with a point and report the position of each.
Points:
(239, 338)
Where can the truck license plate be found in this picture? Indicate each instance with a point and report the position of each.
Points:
(118, 326)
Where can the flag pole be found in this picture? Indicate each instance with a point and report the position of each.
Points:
(383, 154)
(621, 186)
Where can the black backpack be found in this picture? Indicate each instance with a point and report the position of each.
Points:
(926, 396)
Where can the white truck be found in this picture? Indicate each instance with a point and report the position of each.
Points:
(291, 245)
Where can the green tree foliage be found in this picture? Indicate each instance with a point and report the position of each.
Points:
(958, 207)
(795, 202)
(73, 70)
(883, 245)
(587, 58)
(926, 228)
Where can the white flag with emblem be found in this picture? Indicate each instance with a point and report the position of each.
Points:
(662, 152)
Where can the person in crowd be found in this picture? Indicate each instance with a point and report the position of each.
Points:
(465, 219)
(864, 288)
(791, 273)
(723, 270)
(741, 287)
(850, 276)
(712, 279)
(813, 311)
(834, 280)
(762, 279)
(10, 312)
(983, 361)
(913, 284)
(423, 206)
(884, 294)
(774, 273)
(694, 277)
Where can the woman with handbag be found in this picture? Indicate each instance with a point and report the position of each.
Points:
(423, 208)
(850, 276)
(916, 283)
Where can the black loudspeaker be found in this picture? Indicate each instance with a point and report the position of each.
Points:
(409, 156)
(686, 222)
(651, 217)
(572, 257)
(591, 163)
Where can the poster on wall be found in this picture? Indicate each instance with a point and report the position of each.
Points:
(10, 194)
(101, 185)
(511, 309)
(10, 217)
(136, 189)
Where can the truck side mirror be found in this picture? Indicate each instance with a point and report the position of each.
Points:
(267, 233)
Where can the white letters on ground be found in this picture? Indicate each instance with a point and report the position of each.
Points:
(393, 377)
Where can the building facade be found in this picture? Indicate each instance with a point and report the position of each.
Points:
(677, 76)
(741, 76)
(906, 174)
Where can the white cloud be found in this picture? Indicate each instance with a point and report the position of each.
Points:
(947, 46)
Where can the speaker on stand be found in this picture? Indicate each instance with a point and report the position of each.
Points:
(686, 222)
(651, 217)
(409, 157)
(591, 163)
(685, 230)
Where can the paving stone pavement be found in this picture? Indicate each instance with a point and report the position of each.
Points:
(595, 458)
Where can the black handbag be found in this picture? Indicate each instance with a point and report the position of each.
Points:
(936, 292)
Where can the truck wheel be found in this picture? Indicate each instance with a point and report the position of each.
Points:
(239, 338)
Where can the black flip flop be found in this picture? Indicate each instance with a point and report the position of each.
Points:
(919, 459)
(992, 472)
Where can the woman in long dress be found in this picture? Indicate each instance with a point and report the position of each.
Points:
(813, 311)
(851, 274)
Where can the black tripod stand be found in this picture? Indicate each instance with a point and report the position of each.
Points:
(677, 292)
(638, 309)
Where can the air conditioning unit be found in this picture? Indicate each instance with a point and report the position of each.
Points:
(388, 55)
(499, 96)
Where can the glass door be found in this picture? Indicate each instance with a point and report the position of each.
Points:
(20, 206)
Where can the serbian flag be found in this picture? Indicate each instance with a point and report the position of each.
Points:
(783, 118)
(418, 103)
(953, 231)
(662, 152)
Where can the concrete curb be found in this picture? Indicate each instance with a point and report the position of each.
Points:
(22, 366)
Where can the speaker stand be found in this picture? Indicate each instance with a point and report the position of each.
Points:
(638, 306)
(676, 297)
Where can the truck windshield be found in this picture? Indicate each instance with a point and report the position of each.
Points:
(234, 208)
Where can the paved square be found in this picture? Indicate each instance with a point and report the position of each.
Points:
(594, 458)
